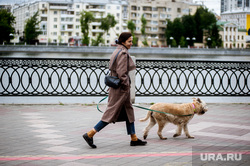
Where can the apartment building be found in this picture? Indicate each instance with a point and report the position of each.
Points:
(238, 13)
(156, 12)
(60, 20)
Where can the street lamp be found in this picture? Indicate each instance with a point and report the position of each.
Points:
(171, 39)
(188, 41)
(149, 37)
(208, 40)
(193, 39)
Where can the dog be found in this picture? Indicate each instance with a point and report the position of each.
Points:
(178, 114)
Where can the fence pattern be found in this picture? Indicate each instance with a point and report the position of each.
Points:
(85, 77)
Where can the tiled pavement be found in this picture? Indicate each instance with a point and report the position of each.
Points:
(48, 135)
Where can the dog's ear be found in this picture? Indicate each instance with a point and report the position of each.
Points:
(198, 100)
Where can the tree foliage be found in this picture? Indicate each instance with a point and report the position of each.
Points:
(6, 26)
(85, 19)
(132, 27)
(143, 30)
(31, 29)
(108, 22)
(190, 26)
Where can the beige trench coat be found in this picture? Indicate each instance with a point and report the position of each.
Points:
(119, 107)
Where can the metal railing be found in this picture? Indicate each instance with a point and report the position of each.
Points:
(85, 77)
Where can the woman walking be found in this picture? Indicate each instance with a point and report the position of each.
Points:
(119, 107)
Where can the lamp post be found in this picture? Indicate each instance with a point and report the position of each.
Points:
(208, 41)
(171, 39)
(193, 39)
(149, 37)
(188, 41)
(11, 35)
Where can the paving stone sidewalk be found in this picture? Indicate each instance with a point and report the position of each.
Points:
(51, 135)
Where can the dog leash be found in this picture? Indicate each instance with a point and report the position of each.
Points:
(141, 108)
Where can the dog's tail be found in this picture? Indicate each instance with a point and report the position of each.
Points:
(146, 118)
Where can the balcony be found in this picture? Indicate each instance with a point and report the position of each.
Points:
(59, 7)
(97, 30)
(96, 23)
(96, 10)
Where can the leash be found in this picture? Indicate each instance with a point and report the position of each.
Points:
(141, 108)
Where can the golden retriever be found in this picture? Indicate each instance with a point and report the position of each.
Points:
(178, 114)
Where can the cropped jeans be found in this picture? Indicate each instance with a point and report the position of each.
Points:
(130, 127)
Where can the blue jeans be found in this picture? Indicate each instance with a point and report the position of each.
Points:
(130, 127)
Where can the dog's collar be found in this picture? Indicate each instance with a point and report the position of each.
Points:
(194, 107)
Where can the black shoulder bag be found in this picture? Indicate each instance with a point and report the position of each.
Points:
(112, 81)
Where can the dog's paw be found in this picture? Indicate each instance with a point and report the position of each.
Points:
(145, 136)
(176, 135)
(190, 137)
(164, 138)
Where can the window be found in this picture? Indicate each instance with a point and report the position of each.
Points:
(55, 19)
(154, 15)
(77, 6)
(77, 33)
(55, 26)
(55, 12)
(62, 33)
(154, 22)
(55, 33)
(77, 26)
(178, 10)
(117, 28)
(118, 7)
(154, 9)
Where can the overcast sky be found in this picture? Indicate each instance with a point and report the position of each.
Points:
(211, 4)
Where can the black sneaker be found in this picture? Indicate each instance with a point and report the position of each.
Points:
(138, 143)
(89, 140)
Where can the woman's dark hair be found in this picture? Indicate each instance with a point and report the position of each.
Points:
(123, 37)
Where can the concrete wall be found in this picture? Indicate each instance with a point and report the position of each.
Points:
(133, 50)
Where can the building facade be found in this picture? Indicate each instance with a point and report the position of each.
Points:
(232, 36)
(156, 12)
(60, 20)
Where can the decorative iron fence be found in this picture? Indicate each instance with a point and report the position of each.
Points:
(84, 77)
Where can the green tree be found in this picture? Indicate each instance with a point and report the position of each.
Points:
(98, 40)
(6, 26)
(173, 44)
(174, 29)
(131, 26)
(198, 25)
(213, 34)
(31, 29)
(182, 42)
(106, 23)
(143, 30)
(203, 19)
(188, 23)
(85, 19)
